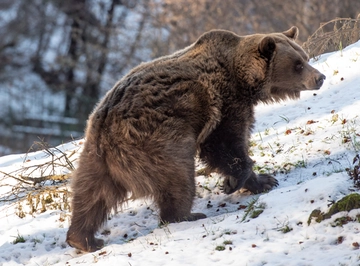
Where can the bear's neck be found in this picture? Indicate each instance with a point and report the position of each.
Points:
(252, 94)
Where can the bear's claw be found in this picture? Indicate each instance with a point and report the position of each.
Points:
(86, 244)
(256, 183)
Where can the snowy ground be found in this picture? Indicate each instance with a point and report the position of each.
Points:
(308, 143)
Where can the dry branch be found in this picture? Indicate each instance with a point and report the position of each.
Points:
(49, 175)
(37, 180)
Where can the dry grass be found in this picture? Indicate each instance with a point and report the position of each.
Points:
(333, 35)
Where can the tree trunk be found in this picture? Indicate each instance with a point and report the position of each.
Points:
(91, 90)
(77, 28)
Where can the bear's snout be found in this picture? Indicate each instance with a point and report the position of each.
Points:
(315, 81)
(319, 80)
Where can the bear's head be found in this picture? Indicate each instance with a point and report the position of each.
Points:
(277, 67)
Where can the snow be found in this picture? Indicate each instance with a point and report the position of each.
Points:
(309, 143)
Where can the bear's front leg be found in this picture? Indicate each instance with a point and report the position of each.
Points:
(226, 151)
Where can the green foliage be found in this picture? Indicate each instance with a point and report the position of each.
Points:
(228, 242)
(254, 209)
(285, 229)
(256, 213)
(220, 248)
(347, 203)
(316, 215)
(223, 246)
(19, 239)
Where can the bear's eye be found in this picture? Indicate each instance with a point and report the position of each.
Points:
(299, 67)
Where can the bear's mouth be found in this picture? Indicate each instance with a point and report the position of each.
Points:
(312, 88)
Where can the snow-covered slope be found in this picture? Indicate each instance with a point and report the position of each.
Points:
(309, 143)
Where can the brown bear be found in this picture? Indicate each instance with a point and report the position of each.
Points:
(143, 136)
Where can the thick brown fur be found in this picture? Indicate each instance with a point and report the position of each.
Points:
(142, 138)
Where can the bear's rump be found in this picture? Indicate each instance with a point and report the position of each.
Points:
(146, 161)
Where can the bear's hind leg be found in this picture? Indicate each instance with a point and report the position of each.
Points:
(175, 209)
(94, 196)
(175, 197)
(81, 236)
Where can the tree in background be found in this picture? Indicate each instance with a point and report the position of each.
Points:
(93, 28)
(70, 50)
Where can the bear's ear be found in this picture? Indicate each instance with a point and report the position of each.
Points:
(292, 33)
(267, 47)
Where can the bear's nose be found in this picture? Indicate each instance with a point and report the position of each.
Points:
(320, 80)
